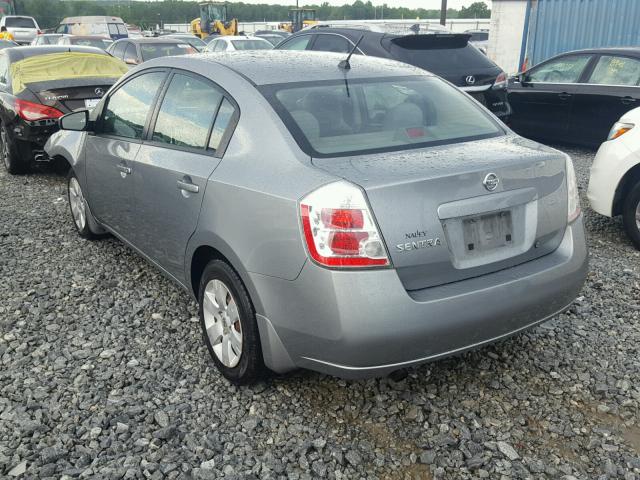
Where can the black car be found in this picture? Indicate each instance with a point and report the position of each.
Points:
(134, 51)
(576, 97)
(38, 85)
(448, 55)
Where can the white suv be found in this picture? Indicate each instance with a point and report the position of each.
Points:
(614, 186)
(24, 29)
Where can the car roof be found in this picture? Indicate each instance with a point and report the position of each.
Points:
(92, 19)
(281, 66)
(19, 53)
(611, 50)
(164, 39)
(239, 37)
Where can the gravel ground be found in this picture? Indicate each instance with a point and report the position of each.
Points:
(103, 375)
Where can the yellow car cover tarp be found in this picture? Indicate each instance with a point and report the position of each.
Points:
(64, 65)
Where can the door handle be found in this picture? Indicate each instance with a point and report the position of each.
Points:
(188, 187)
(564, 95)
(628, 100)
(124, 169)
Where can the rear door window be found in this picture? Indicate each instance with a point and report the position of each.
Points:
(182, 121)
(332, 43)
(223, 120)
(127, 109)
(614, 70)
(561, 70)
(298, 43)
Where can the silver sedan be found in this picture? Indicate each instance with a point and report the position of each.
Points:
(350, 217)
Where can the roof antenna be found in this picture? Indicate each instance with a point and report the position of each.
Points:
(344, 64)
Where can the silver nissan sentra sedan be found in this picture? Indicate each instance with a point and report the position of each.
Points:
(353, 218)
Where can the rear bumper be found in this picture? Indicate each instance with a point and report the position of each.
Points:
(361, 324)
(32, 137)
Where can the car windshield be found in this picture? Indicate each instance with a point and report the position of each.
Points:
(19, 22)
(155, 50)
(336, 118)
(194, 42)
(251, 44)
(91, 42)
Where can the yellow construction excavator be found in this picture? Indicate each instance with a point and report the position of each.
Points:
(213, 21)
(300, 18)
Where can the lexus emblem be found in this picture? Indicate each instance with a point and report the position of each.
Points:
(99, 92)
(470, 80)
(491, 182)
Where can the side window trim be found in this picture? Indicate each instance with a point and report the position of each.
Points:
(151, 123)
(152, 109)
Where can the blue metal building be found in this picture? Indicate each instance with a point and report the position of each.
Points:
(557, 26)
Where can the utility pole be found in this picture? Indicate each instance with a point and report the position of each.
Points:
(443, 13)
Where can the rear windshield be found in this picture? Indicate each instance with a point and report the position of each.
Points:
(20, 22)
(479, 36)
(251, 44)
(336, 118)
(438, 53)
(91, 42)
(155, 50)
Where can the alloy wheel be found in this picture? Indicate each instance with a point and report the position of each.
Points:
(78, 205)
(222, 323)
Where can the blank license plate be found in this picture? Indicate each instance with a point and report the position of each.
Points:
(487, 232)
(91, 102)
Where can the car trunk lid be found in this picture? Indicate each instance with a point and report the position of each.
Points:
(445, 218)
(71, 94)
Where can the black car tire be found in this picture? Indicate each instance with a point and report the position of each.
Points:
(10, 153)
(629, 215)
(250, 367)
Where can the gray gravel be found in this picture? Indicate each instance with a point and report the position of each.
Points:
(103, 375)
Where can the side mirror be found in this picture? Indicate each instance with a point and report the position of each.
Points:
(75, 121)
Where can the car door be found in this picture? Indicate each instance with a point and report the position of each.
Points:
(111, 151)
(541, 100)
(183, 148)
(611, 90)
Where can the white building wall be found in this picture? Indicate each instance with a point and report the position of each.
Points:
(505, 38)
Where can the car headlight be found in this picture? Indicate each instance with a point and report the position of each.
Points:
(619, 129)
(573, 198)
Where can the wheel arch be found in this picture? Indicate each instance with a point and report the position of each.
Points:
(203, 249)
(626, 184)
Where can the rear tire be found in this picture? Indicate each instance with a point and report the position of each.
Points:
(631, 215)
(229, 326)
(10, 154)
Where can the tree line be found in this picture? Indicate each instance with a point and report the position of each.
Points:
(48, 13)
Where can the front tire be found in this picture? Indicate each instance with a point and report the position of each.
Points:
(9, 153)
(631, 215)
(229, 325)
(78, 207)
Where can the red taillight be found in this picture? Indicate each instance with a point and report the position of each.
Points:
(35, 111)
(339, 229)
(342, 218)
(40, 32)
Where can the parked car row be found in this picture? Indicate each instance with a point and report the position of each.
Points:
(271, 193)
